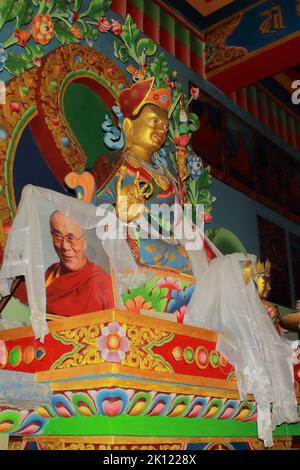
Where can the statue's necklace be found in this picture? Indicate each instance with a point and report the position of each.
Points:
(161, 180)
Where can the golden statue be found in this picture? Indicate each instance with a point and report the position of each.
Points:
(136, 180)
(262, 279)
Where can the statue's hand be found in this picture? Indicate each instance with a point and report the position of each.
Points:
(131, 198)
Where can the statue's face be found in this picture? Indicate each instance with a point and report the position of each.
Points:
(149, 130)
(263, 283)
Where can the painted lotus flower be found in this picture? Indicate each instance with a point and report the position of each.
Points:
(116, 27)
(3, 58)
(104, 25)
(206, 217)
(179, 314)
(168, 283)
(42, 29)
(195, 92)
(23, 36)
(137, 304)
(113, 342)
(195, 166)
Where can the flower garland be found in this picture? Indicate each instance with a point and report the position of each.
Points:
(38, 22)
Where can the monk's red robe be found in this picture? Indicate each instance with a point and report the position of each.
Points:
(73, 293)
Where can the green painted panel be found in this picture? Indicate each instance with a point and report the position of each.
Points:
(182, 34)
(152, 10)
(158, 426)
(196, 45)
(167, 22)
(139, 4)
(85, 113)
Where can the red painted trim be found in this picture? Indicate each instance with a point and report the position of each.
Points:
(136, 14)
(151, 29)
(179, 19)
(257, 67)
(182, 52)
(119, 7)
(197, 63)
(242, 98)
(167, 41)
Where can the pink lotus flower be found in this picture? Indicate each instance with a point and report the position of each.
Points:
(206, 217)
(181, 141)
(195, 92)
(135, 305)
(171, 84)
(104, 25)
(168, 283)
(113, 342)
(180, 314)
(116, 27)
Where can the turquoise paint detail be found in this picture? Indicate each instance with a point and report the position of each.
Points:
(248, 35)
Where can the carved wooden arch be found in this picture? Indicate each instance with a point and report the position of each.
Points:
(35, 97)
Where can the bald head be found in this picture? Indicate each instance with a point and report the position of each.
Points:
(69, 242)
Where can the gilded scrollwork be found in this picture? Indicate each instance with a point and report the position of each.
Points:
(139, 355)
(59, 64)
(217, 37)
(279, 444)
(19, 99)
(62, 445)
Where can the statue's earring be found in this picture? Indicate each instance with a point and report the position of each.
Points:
(127, 129)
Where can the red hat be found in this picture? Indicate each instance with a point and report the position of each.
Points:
(132, 99)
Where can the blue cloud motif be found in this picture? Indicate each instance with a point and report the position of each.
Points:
(180, 298)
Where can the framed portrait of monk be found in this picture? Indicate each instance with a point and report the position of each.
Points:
(75, 266)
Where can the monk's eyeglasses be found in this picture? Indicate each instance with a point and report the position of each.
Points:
(58, 238)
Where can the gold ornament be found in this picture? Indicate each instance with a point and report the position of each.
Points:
(130, 202)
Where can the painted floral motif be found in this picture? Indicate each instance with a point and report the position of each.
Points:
(38, 22)
(137, 304)
(42, 29)
(23, 36)
(195, 166)
(104, 25)
(113, 342)
(180, 298)
(169, 283)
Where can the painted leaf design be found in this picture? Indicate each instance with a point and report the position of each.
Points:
(64, 34)
(23, 12)
(146, 45)
(160, 69)
(194, 123)
(97, 9)
(7, 11)
(130, 33)
(90, 33)
(121, 52)
(16, 65)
